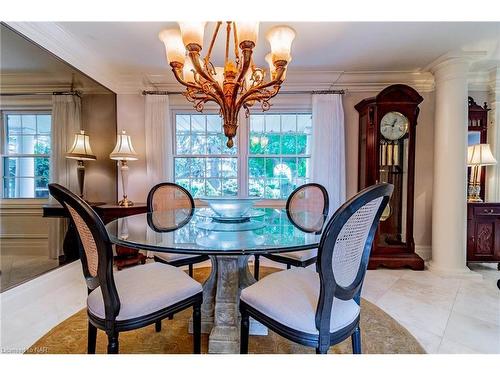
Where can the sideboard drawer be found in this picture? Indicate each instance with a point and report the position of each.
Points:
(486, 210)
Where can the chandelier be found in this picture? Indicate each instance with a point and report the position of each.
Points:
(239, 83)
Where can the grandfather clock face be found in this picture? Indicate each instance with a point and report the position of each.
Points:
(393, 168)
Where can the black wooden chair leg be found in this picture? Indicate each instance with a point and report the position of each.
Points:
(91, 340)
(319, 351)
(256, 266)
(190, 267)
(245, 331)
(158, 326)
(171, 316)
(356, 341)
(113, 346)
(197, 329)
(288, 266)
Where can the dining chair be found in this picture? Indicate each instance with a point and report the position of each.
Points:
(321, 308)
(305, 202)
(132, 298)
(169, 196)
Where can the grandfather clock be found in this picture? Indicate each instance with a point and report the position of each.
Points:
(387, 132)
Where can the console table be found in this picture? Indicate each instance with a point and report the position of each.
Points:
(483, 232)
(108, 212)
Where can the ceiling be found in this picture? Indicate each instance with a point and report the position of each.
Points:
(23, 63)
(134, 48)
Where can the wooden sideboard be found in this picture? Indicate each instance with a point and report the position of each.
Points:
(483, 232)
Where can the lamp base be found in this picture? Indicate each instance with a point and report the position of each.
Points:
(125, 202)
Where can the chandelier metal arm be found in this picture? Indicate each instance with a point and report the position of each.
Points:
(177, 70)
(194, 56)
(275, 82)
(212, 42)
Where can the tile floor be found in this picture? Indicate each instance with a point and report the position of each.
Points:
(445, 315)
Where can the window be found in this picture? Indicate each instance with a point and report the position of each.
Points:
(26, 155)
(275, 160)
(203, 163)
(279, 152)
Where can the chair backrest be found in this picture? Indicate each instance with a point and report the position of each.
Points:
(168, 196)
(307, 207)
(345, 247)
(96, 252)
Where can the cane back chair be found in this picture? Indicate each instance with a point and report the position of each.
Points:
(305, 202)
(321, 308)
(132, 298)
(169, 196)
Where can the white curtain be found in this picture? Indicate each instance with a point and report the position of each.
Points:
(159, 145)
(328, 147)
(66, 122)
(159, 138)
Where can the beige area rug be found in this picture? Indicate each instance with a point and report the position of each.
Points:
(381, 334)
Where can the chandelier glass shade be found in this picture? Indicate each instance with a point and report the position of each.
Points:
(239, 83)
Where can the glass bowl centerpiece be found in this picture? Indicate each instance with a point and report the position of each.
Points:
(230, 208)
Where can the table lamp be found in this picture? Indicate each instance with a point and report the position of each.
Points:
(477, 156)
(123, 152)
(81, 151)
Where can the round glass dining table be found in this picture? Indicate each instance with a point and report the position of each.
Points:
(229, 244)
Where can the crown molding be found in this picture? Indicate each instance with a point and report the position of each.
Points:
(55, 39)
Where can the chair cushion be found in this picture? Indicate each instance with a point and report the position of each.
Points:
(172, 257)
(146, 289)
(290, 297)
(301, 256)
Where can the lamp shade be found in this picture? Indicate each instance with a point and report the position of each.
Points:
(80, 149)
(281, 38)
(173, 45)
(123, 149)
(192, 32)
(247, 31)
(480, 154)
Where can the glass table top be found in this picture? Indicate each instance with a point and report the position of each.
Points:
(194, 232)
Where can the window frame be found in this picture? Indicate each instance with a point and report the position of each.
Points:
(4, 140)
(243, 136)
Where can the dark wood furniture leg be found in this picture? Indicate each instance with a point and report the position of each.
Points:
(92, 337)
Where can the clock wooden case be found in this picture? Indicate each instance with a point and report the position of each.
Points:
(387, 131)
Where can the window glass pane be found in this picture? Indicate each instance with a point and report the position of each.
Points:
(213, 167)
(214, 144)
(271, 164)
(289, 123)
(43, 124)
(229, 167)
(14, 124)
(198, 144)
(230, 186)
(42, 145)
(198, 167)
(198, 124)
(182, 166)
(182, 123)
(256, 187)
(256, 167)
(198, 188)
(213, 187)
(304, 124)
(214, 124)
(272, 124)
(288, 144)
(42, 187)
(183, 144)
(257, 123)
(29, 124)
(273, 144)
(272, 188)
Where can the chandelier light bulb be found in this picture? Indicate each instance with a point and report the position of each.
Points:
(247, 31)
(281, 38)
(192, 32)
(173, 45)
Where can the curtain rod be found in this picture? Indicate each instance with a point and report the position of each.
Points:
(41, 93)
(341, 92)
